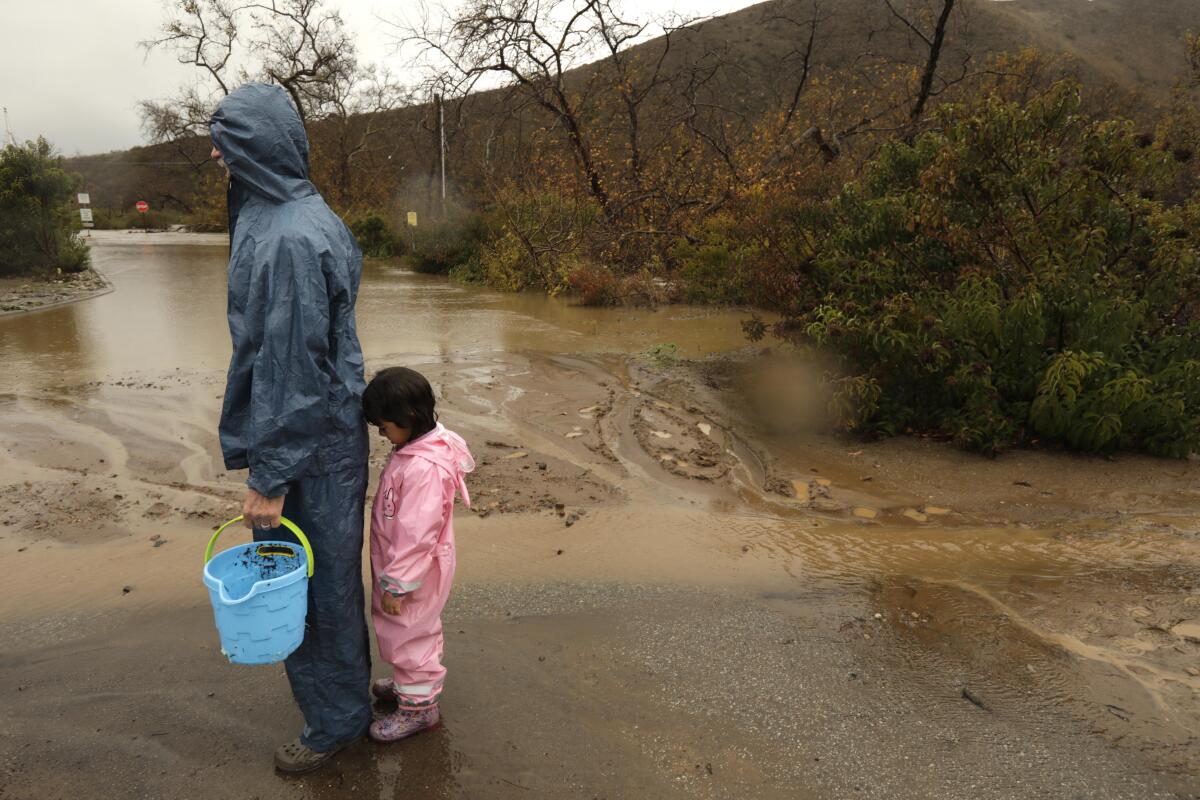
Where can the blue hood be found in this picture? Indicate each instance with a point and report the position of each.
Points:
(263, 142)
(292, 395)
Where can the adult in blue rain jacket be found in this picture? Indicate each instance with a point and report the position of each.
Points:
(292, 413)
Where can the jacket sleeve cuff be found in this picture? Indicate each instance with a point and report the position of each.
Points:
(236, 462)
(396, 588)
(267, 487)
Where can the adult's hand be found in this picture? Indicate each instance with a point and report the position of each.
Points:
(261, 512)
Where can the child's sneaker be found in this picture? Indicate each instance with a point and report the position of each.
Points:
(384, 689)
(404, 722)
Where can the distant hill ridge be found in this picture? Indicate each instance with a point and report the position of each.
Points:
(1136, 45)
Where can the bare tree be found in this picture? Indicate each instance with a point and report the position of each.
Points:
(635, 78)
(203, 34)
(800, 57)
(306, 49)
(929, 24)
(534, 44)
(300, 45)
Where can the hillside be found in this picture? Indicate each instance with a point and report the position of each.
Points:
(1134, 44)
(1131, 45)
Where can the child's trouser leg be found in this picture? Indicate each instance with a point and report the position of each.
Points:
(419, 675)
(412, 640)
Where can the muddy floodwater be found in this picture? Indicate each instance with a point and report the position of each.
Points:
(672, 584)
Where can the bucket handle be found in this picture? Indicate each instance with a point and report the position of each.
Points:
(287, 523)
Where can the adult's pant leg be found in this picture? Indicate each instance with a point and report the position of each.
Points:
(330, 672)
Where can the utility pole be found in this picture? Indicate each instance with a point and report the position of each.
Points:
(8, 134)
(441, 134)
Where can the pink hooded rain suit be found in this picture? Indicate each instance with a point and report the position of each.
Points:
(412, 554)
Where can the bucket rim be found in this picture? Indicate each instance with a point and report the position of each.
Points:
(268, 584)
(284, 521)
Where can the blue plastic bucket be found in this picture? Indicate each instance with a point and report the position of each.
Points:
(259, 594)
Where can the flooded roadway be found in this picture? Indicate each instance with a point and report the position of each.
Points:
(739, 607)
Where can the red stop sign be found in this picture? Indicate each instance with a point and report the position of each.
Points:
(142, 206)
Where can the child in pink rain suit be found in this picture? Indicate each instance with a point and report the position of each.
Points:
(412, 546)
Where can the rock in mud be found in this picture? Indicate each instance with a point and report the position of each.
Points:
(974, 699)
(817, 489)
(1188, 630)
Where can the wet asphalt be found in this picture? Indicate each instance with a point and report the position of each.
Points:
(564, 690)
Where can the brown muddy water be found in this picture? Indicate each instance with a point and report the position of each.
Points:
(671, 585)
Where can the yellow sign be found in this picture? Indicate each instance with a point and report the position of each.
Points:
(412, 219)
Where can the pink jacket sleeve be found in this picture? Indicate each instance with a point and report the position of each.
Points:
(411, 536)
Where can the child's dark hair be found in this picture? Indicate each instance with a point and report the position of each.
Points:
(403, 397)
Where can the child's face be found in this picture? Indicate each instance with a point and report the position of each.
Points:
(394, 433)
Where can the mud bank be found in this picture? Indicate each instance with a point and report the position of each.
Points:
(23, 295)
(670, 584)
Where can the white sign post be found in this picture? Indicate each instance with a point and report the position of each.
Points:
(85, 213)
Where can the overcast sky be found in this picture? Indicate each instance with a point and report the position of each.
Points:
(72, 70)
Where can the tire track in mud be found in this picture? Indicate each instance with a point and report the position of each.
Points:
(91, 461)
(1008, 664)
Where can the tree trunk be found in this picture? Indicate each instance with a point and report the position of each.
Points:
(931, 63)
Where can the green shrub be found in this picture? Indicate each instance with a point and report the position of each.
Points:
(663, 356)
(441, 246)
(537, 241)
(376, 237)
(73, 254)
(470, 271)
(711, 265)
(1007, 278)
(37, 222)
(132, 219)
